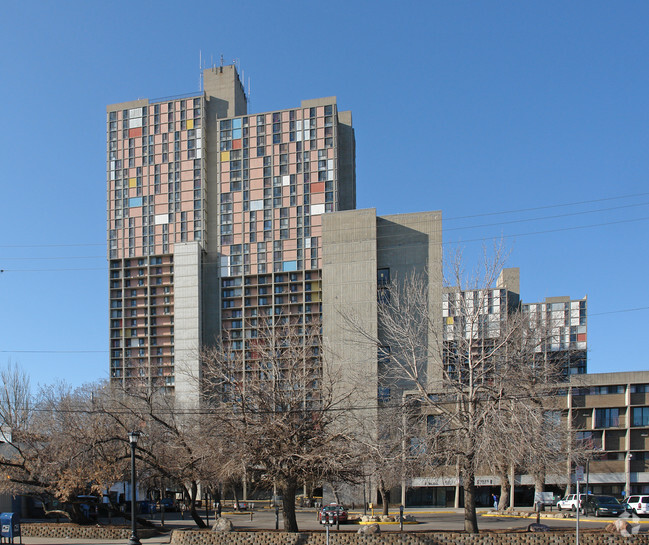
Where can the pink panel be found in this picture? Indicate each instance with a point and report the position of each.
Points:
(317, 198)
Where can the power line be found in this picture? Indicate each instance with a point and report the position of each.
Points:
(590, 315)
(486, 214)
(546, 217)
(515, 211)
(54, 351)
(447, 243)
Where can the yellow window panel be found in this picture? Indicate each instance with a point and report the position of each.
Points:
(316, 297)
(190, 123)
(225, 156)
(132, 182)
(449, 320)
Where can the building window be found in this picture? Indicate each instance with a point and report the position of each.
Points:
(640, 416)
(383, 277)
(607, 418)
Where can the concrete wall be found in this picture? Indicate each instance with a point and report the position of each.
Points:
(395, 538)
(349, 294)
(224, 92)
(356, 244)
(412, 244)
(187, 325)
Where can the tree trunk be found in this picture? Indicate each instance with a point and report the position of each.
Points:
(470, 517)
(384, 499)
(539, 484)
(505, 484)
(236, 497)
(192, 507)
(288, 507)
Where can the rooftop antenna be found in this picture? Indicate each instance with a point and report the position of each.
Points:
(200, 70)
(221, 64)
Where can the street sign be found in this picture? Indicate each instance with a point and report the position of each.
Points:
(579, 473)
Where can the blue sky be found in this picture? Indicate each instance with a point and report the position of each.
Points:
(537, 109)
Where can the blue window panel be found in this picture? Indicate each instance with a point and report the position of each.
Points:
(236, 123)
(236, 134)
(289, 266)
(135, 201)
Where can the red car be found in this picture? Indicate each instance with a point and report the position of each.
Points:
(332, 513)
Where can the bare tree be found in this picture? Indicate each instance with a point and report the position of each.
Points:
(55, 446)
(178, 445)
(383, 441)
(456, 360)
(281, 409)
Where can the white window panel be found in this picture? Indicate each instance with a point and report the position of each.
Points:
(330, 164)
(307, 242)
(299, 125)
(317, 209)
(161, 219)
(136, 122)
(199, 133)
(199, 153)
(286, 180)
(307, 124)
(257, 205)
(330, 175)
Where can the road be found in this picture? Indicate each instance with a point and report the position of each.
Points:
(428, 519)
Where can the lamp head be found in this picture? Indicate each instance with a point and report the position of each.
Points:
(133, 436)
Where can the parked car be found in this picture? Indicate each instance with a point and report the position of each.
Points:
(569, 503)
(601, 506)
(638, 505)
(169, 504)
(332, 513)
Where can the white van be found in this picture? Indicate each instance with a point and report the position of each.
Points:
(569, 503)
(638, 504)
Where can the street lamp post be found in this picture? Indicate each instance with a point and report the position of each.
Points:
(132, 438)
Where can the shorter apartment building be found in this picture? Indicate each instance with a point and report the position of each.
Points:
(609, 416)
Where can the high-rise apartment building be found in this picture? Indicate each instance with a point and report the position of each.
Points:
(558, 323)
(215, 219)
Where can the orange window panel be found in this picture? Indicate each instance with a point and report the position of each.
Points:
(236, 144)
(317, 187)
(137, 131)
